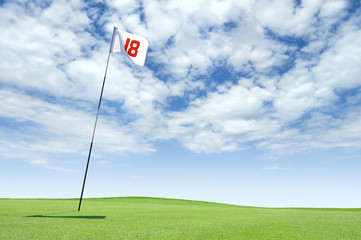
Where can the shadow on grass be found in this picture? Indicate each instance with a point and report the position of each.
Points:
(79, 217)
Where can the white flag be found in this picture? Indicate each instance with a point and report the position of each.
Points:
(135, 47)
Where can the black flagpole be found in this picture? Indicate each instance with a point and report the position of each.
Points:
(95, 125)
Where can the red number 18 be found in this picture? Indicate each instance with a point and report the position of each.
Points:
(133, 49)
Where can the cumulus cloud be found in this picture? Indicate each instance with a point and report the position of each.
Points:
(268, 108)
(288, 76)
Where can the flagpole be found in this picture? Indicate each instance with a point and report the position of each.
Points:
(95, 125)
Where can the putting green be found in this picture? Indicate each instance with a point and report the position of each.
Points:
(154, 218)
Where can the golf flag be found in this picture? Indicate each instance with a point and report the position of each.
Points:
(134, 46)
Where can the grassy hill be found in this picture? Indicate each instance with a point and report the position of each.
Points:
(155, 218)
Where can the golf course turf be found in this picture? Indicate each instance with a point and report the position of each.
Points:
(156, 218)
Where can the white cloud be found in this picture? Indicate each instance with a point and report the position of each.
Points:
(52, 61)
(333, 8)
(272, 168)
(45, 163)
(123, 7)
(48, 54)
(225, 119)
(41, 129)
(33, 47)
(313, 83)
(305, 20)
(237, 114)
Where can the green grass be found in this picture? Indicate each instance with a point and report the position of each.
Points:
(154, 218)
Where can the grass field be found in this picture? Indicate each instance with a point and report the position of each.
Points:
(153, 218)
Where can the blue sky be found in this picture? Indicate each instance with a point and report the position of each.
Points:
(242, 102)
